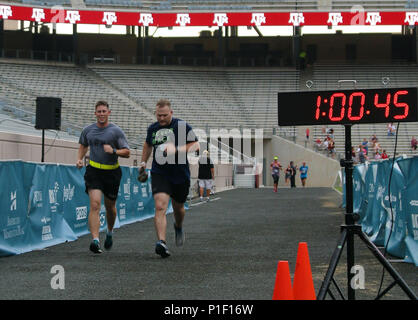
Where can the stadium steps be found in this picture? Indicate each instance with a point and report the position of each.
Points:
(79, 92)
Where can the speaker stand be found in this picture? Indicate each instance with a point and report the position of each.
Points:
(43, 145)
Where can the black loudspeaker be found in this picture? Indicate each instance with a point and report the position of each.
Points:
(48, 113)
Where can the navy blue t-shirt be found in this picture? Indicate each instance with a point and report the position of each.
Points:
(174, 167)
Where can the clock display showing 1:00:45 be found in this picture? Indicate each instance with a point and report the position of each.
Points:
(348, 106)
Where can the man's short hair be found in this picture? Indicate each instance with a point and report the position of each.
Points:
(101, 103)
(163, 102)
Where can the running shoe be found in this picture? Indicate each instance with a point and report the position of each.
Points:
(162, 249)
(108, 242)
(95, 247)
(180, 238)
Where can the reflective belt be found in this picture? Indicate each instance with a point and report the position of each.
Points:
(103, 166)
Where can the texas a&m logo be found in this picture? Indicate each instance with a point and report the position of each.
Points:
(146, 19)
(373, 18)
(183, 19)
(72, 16)
(334, 18)
(296, 19)
(258, 19)
(38, 14)
(5, 12)
(109, 18)
(411, 18)
(220, 19)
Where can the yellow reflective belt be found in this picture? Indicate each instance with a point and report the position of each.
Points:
(103, 166)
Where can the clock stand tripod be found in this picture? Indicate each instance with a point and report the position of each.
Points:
(348, 231)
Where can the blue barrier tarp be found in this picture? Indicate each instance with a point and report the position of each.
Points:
(47, 225)
(409, 168)
(75, 200)
(46, 204)
(14, 197)
(389, 220)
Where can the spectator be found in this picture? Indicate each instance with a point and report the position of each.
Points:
(361, 156)
(293, 175)
(376, 147)
(373, 139)
(384, 155)
(325, 143)
(414, 144)
(330, 133)
(331, 148)
(307, 136)
(288, 174)
(318, 144)
(206, 175)
(365, 145)
(377, 156)
(391, 129)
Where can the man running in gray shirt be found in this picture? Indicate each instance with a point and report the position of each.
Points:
(107, 142)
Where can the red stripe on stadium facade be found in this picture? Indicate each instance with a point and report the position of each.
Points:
(131, 18)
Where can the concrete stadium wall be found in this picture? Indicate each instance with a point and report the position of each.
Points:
(322, 170)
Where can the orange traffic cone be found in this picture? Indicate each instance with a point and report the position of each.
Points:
(303, 288)
(283, 285)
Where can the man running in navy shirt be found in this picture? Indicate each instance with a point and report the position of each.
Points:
(169, 139)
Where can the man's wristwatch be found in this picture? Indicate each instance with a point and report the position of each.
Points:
(114, 150)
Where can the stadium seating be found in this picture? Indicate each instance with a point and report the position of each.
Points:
(326, 76)
(207, 98)
(211, 98)
(48, 3)
(369, 4)
(79, 90)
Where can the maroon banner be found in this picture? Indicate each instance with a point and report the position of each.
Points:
(130, 18)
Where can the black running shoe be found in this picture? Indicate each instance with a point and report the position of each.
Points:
(180, 238)
(162, 249)
(108, 242)
(95, 247)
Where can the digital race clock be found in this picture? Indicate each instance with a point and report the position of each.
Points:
(347, 106)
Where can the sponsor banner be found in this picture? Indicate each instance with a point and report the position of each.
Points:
(390, 220)
(14, 199)
(370, 198)
(395, 229)
(75, 201)
(145, 206)
(379, 214)
(409, 168)
(46, 223)
(46, 204)
(59, 14)
(128, 197)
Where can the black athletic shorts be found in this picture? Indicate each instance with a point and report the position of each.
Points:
(178, 192)
(106, 180)
(275, 178)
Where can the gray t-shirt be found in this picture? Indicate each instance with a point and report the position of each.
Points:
(96, 137)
